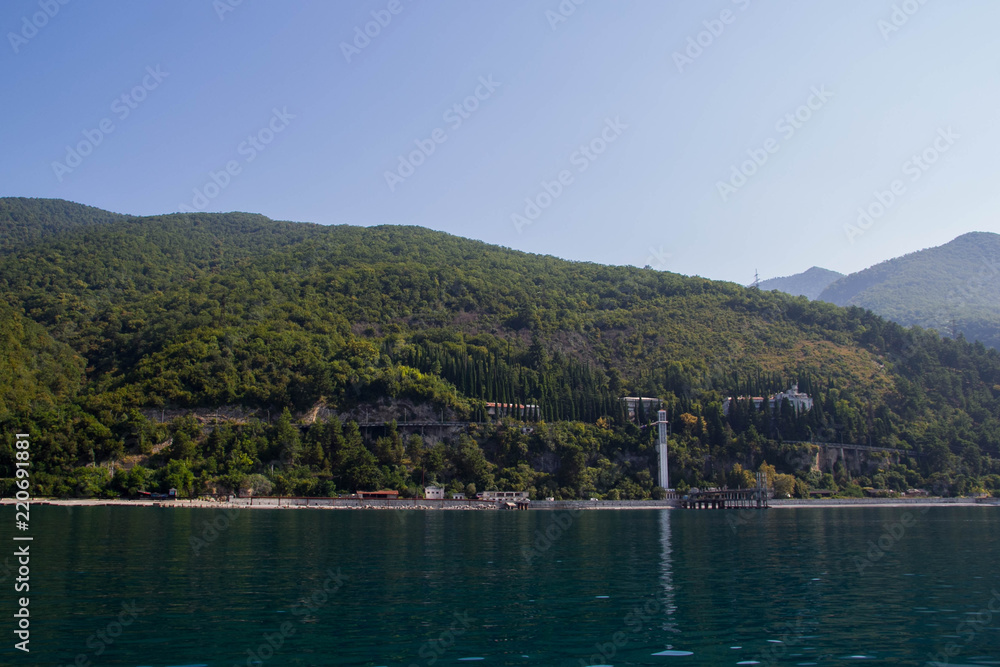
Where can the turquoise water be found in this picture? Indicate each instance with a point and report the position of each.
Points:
(781, 587)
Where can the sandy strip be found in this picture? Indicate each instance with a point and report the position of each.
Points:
(183, 503)
(790, 503)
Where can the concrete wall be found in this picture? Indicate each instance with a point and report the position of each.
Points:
(425, 503)
(858, 462)
(402, 503)
(602, 504)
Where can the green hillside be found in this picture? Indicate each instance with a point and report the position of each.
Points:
(186, 317)
(954, 288)
(24, 221)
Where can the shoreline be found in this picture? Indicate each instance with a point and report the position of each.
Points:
(432, 505)
(884, 502)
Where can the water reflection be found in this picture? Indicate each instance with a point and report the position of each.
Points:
(667, 574)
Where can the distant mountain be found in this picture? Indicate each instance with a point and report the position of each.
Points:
(954, 288)
(808, 283)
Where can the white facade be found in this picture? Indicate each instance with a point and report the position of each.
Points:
(799, 401)
(516, 410)
(433, 493)
(661, 449)
(503, 495)
(632, 405)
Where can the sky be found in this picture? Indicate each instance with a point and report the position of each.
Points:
(717, 138)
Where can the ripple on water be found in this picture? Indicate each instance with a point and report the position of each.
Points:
(673, 653)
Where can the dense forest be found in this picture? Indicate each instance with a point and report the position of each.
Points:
(232, 353)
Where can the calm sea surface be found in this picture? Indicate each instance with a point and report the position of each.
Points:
(125, 586)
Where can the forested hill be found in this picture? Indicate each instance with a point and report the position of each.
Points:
(118, 320)
(24, 221)
(952, 288)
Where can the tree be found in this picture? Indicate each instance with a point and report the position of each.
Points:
(784, 486)
(286, 439)
(356, 468)
(178, 476)
(389, 448)
(689, 422)
(256, 485)
(471, 464)
(182, 447)
(414, 449)
(738, 478)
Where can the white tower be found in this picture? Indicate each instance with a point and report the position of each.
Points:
(661, 449)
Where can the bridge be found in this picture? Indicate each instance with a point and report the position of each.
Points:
(857, 448)
(413, 424)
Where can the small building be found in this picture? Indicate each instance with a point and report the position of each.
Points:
(632, 403)
(458, 496)
(385, 494)
(516, 410)
(503, 495)
(800, 402)
(433, 493)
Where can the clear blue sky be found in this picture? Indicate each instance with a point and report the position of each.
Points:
(672, 130)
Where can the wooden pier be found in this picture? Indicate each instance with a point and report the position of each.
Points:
(725, 499)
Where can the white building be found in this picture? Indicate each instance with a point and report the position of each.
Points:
(632, 404)
(433, 493)
(800, 402)
(503, 495)
(516, 410)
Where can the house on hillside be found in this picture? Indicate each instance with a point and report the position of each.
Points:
(800, 402)
(516, 410)
(632, 403)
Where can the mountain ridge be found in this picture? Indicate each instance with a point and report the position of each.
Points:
(810, 283)
(190, 312)
(952, 288)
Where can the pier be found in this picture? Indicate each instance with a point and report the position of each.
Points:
(725, 499)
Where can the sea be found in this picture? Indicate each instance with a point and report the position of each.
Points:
(159, 587)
